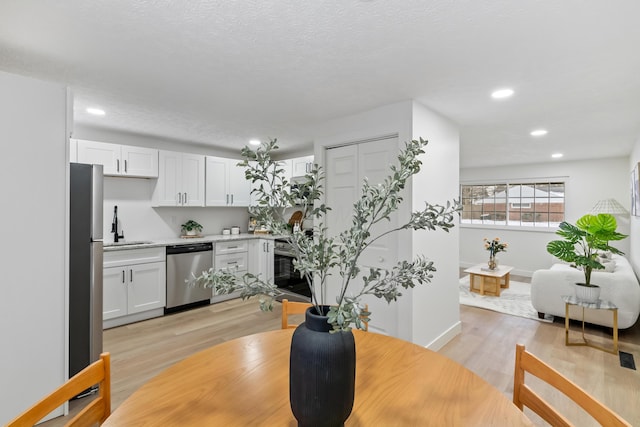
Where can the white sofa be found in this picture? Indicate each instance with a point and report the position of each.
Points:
(619, 286)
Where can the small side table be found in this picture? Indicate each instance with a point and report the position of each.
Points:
(494, 279)
(599, 305)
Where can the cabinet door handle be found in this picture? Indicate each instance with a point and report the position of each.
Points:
(232, 199)
(125, 167)
(185, 199)
(227, 199)
(118, 165)
(179, 199)
(131, 275)
(123, 278)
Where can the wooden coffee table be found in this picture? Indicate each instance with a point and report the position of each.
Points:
(488, 282)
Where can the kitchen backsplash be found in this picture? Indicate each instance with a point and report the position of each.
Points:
(140, 221)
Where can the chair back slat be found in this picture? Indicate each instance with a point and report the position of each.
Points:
(99, 372)
(289, 308)
(524, 396)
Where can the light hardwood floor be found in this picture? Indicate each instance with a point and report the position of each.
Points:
(486, 346)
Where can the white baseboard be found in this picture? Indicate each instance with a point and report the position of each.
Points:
(137, 317)
(445, 337)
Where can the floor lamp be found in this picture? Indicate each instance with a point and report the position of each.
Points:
(609, 206)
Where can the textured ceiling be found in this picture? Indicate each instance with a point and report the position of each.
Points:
(222, 72)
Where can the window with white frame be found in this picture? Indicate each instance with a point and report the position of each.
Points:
(518, 204)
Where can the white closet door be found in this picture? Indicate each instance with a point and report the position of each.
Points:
(342, 187)
(374, 161)
(346, 169)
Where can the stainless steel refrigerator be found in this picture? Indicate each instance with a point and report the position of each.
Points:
(85, 265)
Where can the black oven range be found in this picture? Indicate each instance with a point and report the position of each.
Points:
(286, 278)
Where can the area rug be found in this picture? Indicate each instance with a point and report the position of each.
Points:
(515, 301)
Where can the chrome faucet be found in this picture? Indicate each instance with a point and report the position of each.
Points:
(114, 226)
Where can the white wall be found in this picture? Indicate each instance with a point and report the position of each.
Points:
(33, 184)
(587, 182)
(634, 251)
(427, 315)
(437, 183)
(133, 196)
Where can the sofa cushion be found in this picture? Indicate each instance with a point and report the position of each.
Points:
(609, 266)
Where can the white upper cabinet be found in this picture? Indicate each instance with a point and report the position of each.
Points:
(226, 184)
(73, 150)
(139, 161)
(119, 160)
(301, 166)
(181, 180)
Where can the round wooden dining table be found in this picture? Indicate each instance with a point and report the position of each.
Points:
(245, 382)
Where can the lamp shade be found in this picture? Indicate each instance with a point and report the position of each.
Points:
(609, 206)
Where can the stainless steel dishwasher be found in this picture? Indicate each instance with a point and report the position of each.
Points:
(182, 262)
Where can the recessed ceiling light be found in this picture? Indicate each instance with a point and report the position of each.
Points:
(557, 155)
(539, 132)
(254, 142)
(502, 93)
(95, 111)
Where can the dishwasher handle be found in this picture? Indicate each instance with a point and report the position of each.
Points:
(194, 247)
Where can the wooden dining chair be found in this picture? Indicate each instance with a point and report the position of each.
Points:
(523, 395)
(290, 307)
(97, 411)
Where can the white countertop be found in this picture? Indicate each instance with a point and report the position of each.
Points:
(110, 246)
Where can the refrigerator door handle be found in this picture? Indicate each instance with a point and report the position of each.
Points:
(97, 201)
(97, 298)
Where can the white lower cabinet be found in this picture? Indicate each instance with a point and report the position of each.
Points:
(261, 259)
(231, 256)
(134, 285)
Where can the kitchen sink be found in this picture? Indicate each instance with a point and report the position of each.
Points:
(129, 243)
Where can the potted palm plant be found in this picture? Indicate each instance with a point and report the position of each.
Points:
(581, 246)
(322, 384)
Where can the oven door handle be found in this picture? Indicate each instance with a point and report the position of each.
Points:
(283, 253)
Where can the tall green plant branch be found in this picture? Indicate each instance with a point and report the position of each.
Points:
(377, 204)
(316, 258)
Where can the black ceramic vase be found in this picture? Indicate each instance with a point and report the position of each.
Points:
(322, 373)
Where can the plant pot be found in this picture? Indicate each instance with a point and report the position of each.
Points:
(191, 232)
(589, 294)
(322, 372)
